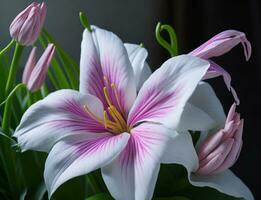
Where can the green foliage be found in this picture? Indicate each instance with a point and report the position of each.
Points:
(101, 196)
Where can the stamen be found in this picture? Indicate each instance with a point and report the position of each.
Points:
(117, 115)
(113, 86)
(106, 94)
(92, 114)
(111, 125)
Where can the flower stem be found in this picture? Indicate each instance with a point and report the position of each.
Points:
(9, 85)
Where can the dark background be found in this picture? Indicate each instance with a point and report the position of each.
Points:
(195, 22)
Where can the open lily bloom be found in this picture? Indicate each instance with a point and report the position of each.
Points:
(107, 124)
(219, 45)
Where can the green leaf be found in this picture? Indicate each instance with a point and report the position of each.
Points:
(195, 136)
(205, 193)
(70, 66)
(101, 196)
(56, 72)
(7, 48)
(22, 196)
(172, 178)
(17, 87)
(13, 142)
(172, 198)
(173, 182)
(40, 191)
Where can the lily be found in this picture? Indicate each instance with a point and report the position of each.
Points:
(107, 124)
(217, 46)
(202, 112)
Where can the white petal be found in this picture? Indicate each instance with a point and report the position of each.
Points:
(181, 151)
(164, 95)
(203, 111)
(60, 114)
(133, 175)
(195, 119)
(137, 56)
(78, 155)
(103, 56)
(225, 182)
(205, 99)
(145, 74)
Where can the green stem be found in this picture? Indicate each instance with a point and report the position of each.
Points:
(4, 50)
(9, 85)
(13, 69)
(171, 47)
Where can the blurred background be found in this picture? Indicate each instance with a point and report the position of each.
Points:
(195, 22)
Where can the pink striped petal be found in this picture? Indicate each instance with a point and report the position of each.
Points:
(104, 61)
(214, 71)
(163, 96)
(18, 21)
(231, 113)
(38, 74)
(30, 64)
(235, 151)
(133, 175)
(222, 43)
(80, 154)
(60, 114)
(215, 158)
(210, 144)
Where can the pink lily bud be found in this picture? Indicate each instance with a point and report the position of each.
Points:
(34, 74)
(28, 24)
(220, 151)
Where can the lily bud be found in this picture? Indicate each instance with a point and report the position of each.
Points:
(27, 25)
(220, 151)
(34, 74)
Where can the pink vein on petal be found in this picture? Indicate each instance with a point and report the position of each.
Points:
(78, 119)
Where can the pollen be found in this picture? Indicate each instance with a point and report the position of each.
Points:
(113, 117)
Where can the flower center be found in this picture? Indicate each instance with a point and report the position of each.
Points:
(114, 120)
